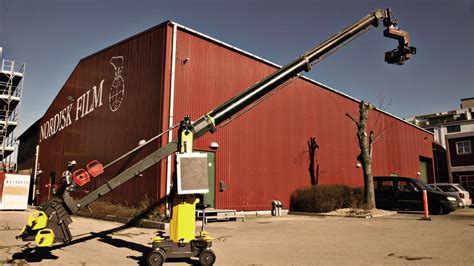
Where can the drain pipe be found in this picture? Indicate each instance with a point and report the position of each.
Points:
(171, 113)
(35, 175)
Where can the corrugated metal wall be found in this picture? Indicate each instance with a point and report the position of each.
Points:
(263, 154)
(104, 134)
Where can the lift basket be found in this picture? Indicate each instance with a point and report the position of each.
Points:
(95, 168)
(81, 177)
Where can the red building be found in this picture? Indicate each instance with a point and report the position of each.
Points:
(137, 88)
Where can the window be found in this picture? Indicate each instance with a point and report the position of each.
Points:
(467, 181)
(447, 188)
(455, 128)
(387, 185)
(383, 185)
(406, 186)
(460, 187)
(463, 147)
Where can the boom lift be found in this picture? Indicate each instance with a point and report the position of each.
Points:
(50, 222)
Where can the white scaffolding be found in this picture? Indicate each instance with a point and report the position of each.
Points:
(11, 86)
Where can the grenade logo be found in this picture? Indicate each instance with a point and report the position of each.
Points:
(118, 85)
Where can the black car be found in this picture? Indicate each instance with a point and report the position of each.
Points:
(404, 193)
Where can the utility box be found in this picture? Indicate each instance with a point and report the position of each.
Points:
(192, 173)
(14, 190)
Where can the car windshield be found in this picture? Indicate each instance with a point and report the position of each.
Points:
(461, 187)
(423, 185)
(447, 188)
(435, 188)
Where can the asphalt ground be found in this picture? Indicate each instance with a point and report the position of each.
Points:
(401, 239)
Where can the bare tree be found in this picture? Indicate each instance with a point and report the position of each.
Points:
(311, 159)
(365, 156)
(312, 146)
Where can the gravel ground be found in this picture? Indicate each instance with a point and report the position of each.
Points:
(362, 213)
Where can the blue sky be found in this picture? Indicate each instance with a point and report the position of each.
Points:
(51, 36)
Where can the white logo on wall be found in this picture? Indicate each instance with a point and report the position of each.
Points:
(117, 90)
(87, 103)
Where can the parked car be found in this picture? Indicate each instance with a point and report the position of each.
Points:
(461, 203)
(454, 189)
(404, 193)
(471, 194)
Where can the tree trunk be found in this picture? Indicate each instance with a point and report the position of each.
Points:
(312, 146)
(366, 161)
(365, 157)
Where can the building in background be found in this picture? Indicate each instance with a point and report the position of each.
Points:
(11, 86)
(451, 125)
(27, 147)
(26, 159)
(137, 88)
(442, 123)
(460, 149)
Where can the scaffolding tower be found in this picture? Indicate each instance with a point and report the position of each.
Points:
(11, 86)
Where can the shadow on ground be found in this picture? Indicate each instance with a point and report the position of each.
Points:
(29, 254)
(36, 254)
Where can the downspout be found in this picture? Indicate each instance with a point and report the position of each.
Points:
(35, 175)
(171, 113)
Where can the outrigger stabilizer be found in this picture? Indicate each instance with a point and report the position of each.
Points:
(50, 222)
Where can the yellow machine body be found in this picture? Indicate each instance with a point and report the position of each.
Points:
(37, 220)
(183, 221)
(187, 139)
(204, 235)
(44, 238)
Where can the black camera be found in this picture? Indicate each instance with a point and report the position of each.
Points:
(399, 55)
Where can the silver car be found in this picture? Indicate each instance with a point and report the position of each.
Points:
(456, 190)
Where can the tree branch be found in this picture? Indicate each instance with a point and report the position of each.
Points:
(352, 118)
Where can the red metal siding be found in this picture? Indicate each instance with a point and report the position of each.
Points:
(104, 134)
(262, 154)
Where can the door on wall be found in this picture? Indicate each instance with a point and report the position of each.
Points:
(426, 169)
(210, 198)
(423, 171)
